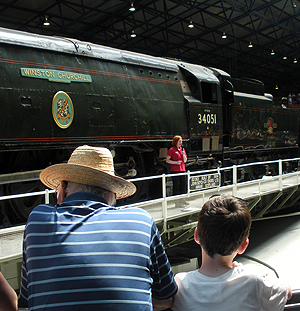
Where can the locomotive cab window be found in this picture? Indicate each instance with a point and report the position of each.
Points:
(194, 86)
(209, 92)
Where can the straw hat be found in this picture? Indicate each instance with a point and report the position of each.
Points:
(91, 166)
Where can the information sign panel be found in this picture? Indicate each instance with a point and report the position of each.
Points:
(201, 182)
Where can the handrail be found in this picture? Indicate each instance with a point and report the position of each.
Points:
(233, 170)
(294, 303)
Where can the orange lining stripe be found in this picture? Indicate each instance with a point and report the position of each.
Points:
(103, 138)
(3, 60)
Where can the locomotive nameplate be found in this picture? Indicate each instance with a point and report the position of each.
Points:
(202, 182)
(55, 75)
(62, 109)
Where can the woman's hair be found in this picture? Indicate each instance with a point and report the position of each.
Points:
(223, 224)
(175, 140)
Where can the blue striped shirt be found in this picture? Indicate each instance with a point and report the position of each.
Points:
(85, 255)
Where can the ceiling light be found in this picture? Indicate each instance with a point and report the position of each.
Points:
(191, 25)
(284, 57)
(272, 52)
(295, 60)
(250, 45)
(224, 35)
(133, 35)
(132, 8)
(46, 22)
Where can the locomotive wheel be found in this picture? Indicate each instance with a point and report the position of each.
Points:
(142, 188)
(23, 206)
(25, 161)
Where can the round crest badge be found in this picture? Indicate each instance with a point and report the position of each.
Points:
(62, 109)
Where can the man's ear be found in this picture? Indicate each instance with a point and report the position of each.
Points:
(243, 247)
(110, 197)
(196, 236)
(61, 191)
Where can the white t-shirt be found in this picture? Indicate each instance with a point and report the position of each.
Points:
(243, 288)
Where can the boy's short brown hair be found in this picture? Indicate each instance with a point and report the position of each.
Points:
(223, 224)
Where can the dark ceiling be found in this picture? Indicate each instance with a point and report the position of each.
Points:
(161, 28)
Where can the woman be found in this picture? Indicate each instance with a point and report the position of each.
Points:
(177, 158)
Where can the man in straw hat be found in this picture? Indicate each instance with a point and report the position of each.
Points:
(85, 254)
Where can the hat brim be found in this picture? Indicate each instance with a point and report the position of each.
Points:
(53, 175)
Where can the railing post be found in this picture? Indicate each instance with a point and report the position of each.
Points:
(47, 200)
(280, 173)
(164, 202)
(189, 182)
(298, 173)
(234, 180)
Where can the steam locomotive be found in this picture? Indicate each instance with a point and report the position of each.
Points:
(59, 93)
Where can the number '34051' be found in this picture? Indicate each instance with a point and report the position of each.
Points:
(207, 118)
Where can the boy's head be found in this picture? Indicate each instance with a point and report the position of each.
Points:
(223, 224)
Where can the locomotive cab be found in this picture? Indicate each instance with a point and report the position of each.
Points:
(203, 97)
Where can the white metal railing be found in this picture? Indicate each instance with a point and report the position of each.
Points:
(45, 192)
(164, 210)
(231, 174)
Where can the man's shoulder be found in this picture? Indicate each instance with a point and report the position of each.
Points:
(42, 208)
(135, 211)
(40, 214)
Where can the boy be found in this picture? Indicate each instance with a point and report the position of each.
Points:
(223, 228)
